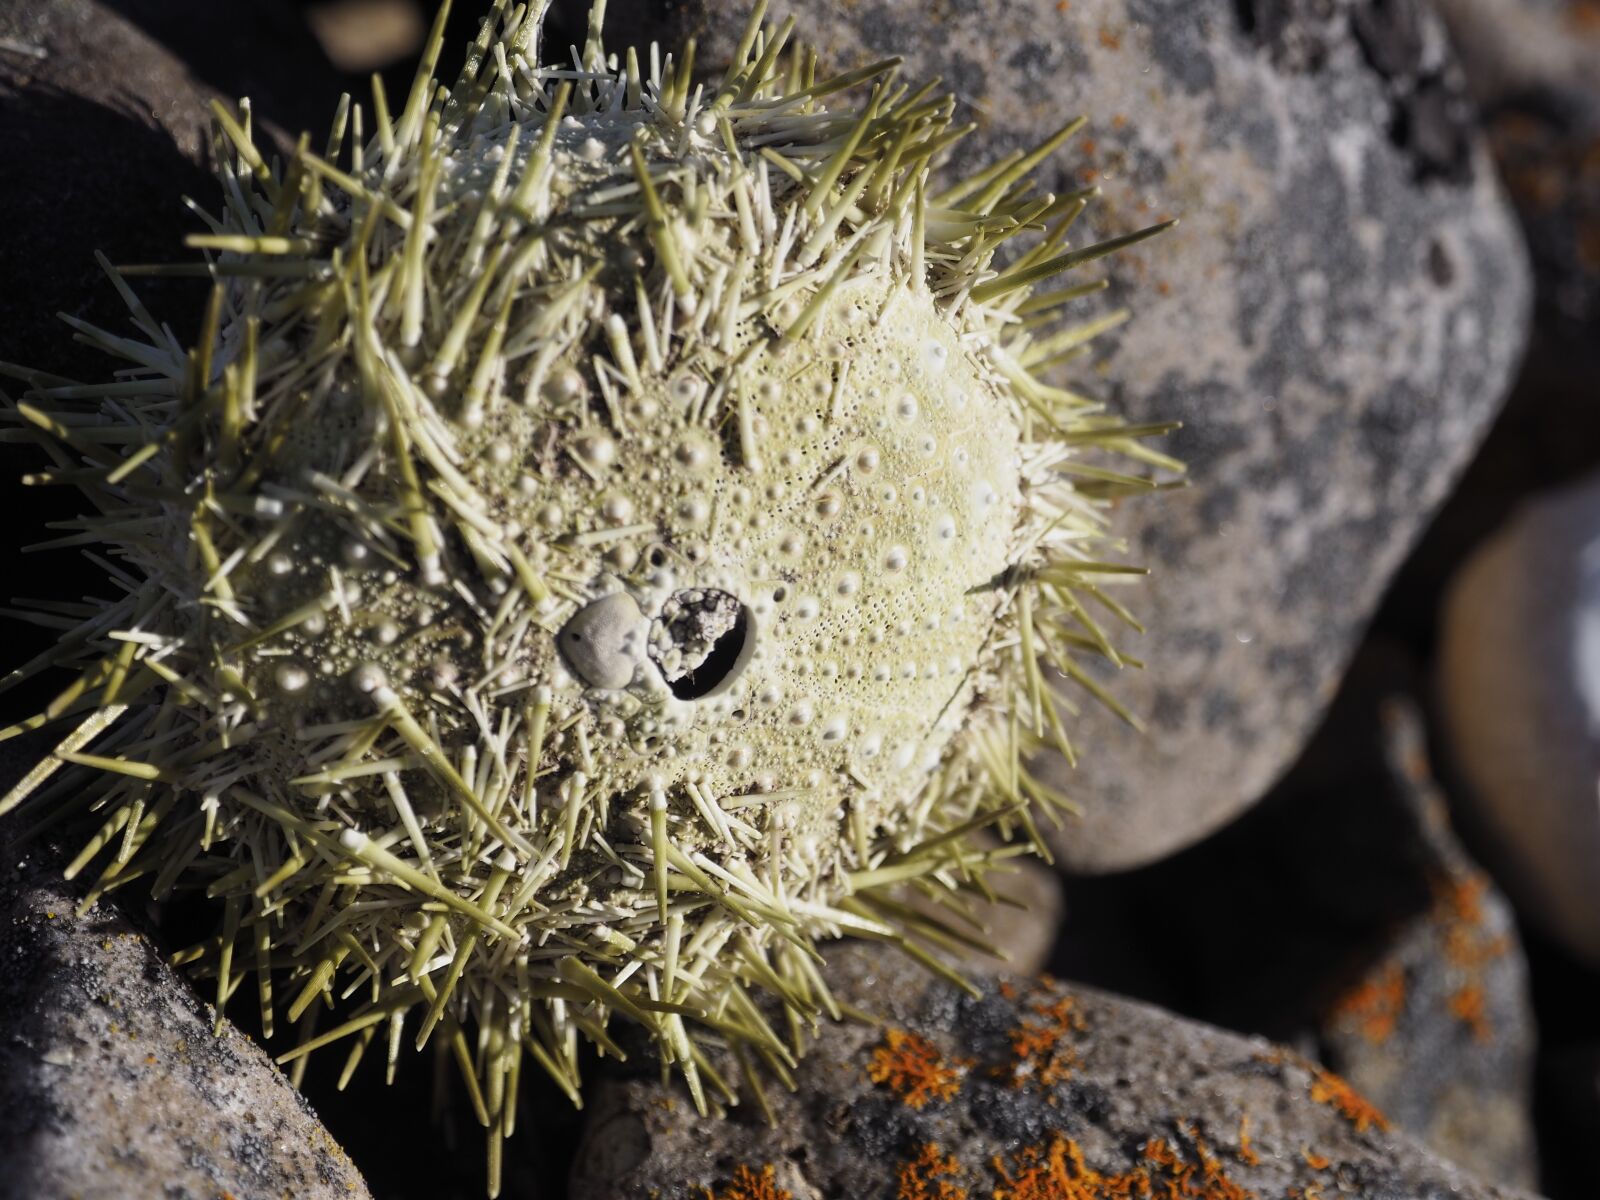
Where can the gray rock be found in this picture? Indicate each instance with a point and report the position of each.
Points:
(113, 1083)
(1511, 47)
(1519, 690)
(1335, 321)
(1351, 923)
(1437, 1029)
(1027, 1091)
(104, 116)
(1534, 67)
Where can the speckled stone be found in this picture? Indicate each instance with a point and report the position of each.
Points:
(1335, 321)
(1437, 1029)
(113, 1083)
(1007, 1087)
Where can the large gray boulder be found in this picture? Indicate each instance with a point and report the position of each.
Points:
(1030, 1090)
(114, 1082)
(1335, 321)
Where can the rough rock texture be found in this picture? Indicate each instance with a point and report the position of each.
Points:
(1437, 1031)
(1519, 689)
(1335, 321)
(1533, 66)
(1029, 1091)
(112, 1082)
(1342, 916)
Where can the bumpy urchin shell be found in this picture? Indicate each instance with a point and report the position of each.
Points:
(603, 542)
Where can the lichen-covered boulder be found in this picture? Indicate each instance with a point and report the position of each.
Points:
(1338, 317)
(1025, 1091)
(1436, 1027)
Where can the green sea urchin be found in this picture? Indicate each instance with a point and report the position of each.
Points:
(604, 540)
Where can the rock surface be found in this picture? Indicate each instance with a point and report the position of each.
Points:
(1437, 1030)
(1028, 1092)
(112, 1081)
(103, 114)
(1335, 321)
(1342, 916)
(1534, 66)
(1519, 689)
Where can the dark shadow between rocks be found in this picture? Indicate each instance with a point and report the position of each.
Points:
(1260, 927)
(258, 48)
(86, 175)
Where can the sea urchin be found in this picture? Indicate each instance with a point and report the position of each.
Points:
(605, 540)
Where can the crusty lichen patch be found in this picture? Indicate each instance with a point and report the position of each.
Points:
(914, 1069)
(1042, 1042)
(751, 1184)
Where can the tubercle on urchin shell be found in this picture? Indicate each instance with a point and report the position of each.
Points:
(403, 332)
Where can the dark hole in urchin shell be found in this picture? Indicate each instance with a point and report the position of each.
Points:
(701, 641)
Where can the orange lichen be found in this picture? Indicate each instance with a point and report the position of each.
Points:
(1460, 897)
(1110, 39)
(1246, 1153)
(1584, 16)
(1040, 1046)
(1374, 1005)
(1327, 1088)
(1317, 1162)
(1467, 1006)
(1468, 945)
(928, 1176)
(748, 1185)
(1058, 1172)
(913, 1068)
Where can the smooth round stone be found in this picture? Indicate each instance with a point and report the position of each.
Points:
(1519, 690)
